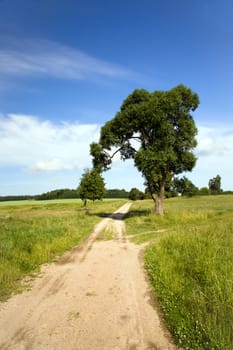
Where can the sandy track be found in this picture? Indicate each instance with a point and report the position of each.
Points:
(96, 297)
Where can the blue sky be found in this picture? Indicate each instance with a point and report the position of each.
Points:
(66, 67)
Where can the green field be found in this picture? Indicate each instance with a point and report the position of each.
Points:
(190, 265)
(49, 201)
(32, 233)
(37, 202)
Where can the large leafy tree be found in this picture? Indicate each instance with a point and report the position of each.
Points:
(157, 131)
(91, 186)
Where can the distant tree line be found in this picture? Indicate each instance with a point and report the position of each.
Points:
(179, 187)
(116, 193)
(78, 193)
(65, 193)
(15, 198)
(54, 194)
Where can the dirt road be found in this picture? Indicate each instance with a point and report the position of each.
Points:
(95, 297)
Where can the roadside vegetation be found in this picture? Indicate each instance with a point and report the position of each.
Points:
(190, 266)
(33, 234)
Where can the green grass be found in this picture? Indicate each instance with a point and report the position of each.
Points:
(32, 234)
(191, 267)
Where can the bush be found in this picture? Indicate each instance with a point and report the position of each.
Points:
(136, 194)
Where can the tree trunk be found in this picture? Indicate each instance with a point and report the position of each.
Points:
(158, 200)
(159, 206)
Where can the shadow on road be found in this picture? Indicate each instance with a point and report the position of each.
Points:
(122, 216)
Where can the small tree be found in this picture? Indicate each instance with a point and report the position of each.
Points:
(162, 125)
(91, 186)
(215, 185)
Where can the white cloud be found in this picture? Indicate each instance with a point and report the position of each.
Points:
(47, 58)
(43, 146)
(50, 165)
(215, 140)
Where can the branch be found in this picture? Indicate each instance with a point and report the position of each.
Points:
(127, 152)
(118, 150)
(137, 138)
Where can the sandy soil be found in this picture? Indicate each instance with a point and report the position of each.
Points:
(95, 297)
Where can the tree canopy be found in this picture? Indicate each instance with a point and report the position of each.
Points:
(157, 131)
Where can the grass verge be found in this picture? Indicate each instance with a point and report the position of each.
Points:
(34, 234)
(191, 268)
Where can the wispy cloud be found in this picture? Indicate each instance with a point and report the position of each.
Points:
(51, 59)
(42, 146)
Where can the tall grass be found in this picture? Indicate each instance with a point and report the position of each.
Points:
(34, 234)
(191, 268)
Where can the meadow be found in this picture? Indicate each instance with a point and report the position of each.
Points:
(190, 265)
(37, 232)
(189, 258)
